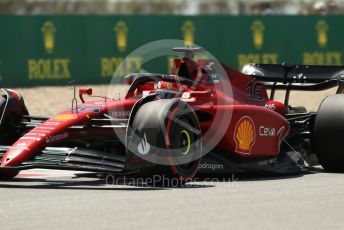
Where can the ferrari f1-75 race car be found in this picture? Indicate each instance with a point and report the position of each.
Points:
(204, 117)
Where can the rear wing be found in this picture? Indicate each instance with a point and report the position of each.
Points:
(296, 77)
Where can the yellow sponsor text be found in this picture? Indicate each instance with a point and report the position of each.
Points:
(42, 69)
(111, 65)
(265, 58)
(322, 58)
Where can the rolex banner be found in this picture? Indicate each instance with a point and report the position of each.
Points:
(52, 50)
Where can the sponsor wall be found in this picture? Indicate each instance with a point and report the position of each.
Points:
(53, 50)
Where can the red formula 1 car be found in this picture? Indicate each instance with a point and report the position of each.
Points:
(204, 117)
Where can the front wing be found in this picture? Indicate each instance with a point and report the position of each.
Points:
(71, 159)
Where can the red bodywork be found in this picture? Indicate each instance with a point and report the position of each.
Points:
(255, 129)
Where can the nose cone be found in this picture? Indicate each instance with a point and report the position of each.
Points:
(31, 143)
(14, 156)
(54, 130)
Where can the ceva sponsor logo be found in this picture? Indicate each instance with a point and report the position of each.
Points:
(267, 132)
(56, 137)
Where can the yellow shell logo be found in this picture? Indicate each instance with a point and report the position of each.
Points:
(64, 117)
(121, 31)
(245, 135)
(322, 28)
(258, 28)
(48, 30)
(188, 29)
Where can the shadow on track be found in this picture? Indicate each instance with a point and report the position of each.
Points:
(91, 181)
(83, 183)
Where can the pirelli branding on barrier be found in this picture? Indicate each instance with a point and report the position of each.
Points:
(50, 50)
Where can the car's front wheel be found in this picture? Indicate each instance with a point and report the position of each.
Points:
(169, 131)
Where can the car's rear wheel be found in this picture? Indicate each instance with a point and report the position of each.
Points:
(327, 141)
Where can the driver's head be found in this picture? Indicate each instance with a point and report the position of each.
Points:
(188, 69)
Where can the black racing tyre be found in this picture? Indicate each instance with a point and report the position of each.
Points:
(2, 102)
(10, 174)
(328, 131)
(12, 109)
(171, 128)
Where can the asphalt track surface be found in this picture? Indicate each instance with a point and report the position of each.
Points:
(41, 199)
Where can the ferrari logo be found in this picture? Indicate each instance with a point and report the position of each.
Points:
(245, 135)
(188, 29)
(322, 28)
(121, 31)
(258, 28)
(48, 30)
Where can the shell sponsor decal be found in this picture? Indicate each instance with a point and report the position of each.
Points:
(64, 117)
(244, 135)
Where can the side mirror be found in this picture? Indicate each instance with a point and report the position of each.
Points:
(84, 91)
